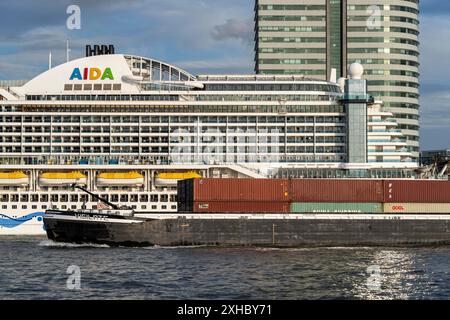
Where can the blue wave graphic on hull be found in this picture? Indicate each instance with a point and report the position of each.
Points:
(9, 222)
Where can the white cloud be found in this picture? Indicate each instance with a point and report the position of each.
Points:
(235, 29)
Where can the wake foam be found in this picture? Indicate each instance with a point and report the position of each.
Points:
(53, 244)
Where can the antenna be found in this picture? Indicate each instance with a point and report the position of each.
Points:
(67, 51)
(49, 60)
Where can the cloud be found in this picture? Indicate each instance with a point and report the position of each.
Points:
(235, 29)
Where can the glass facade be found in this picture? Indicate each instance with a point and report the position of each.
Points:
(380, 34)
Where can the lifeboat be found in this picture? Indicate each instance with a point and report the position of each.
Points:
(171, 178)
(131, 178)
(16, 178)
(62, 178)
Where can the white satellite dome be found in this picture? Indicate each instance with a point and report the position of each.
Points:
(356, 71)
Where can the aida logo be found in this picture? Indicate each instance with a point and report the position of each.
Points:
(91, 74)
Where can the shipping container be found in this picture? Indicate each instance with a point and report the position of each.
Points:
(240, 207)
(417, 191)
(425, 208)
(269, 190)
(336, 190)
(338, 207)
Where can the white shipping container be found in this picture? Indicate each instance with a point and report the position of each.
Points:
(416, 208)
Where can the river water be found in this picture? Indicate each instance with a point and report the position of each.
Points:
(36, 268)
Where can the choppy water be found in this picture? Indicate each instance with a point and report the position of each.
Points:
(35, 268)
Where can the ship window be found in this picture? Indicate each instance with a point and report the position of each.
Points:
(44, 198)
(107, 86)
(154, 207)
(164, 198)
(4, 198)
(34, 207)
(134, 198)
(173, 198)
(133, 207)
(34, 198)
(117, 86)
(73, 207)
(44, 207)
(4, 207)
(64, 207)
(24, 198)
(14, 198)
(14, 207)
(67, 87)
(88, 87)
(54, 198)
(74, 198)
(64, 198)
(144, 207)
(164, 207)
(174, 207)
(154, 198)
(77, 87)
(24, 207)
(144, 198)
(123, 198)
(97, 86)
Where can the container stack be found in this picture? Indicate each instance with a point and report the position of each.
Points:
(335, 196)
(233, 195)
(313, 196)
(416, 196)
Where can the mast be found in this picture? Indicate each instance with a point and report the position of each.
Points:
(112, 205)
(67, 50)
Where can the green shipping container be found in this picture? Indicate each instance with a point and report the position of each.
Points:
(326, 207)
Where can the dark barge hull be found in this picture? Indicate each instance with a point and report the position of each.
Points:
(255, 232)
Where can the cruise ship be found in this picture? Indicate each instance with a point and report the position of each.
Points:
(128, 128)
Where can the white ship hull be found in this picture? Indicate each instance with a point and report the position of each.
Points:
(14, 182)
(22, 223)
(61, 182)
(166, 182)
(120, 182)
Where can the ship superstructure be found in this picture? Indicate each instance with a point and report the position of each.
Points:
(129, 127)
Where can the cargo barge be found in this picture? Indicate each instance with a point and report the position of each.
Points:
(238, 212)
(267, 230)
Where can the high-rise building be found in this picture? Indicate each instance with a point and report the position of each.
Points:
(312, 37)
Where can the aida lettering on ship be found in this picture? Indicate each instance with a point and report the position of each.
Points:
(92, 74)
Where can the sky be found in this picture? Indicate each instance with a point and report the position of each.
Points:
(201, 36)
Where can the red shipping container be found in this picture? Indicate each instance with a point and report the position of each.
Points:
(240, 207)
(241, 190)
(417, 191)
(336, 190)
